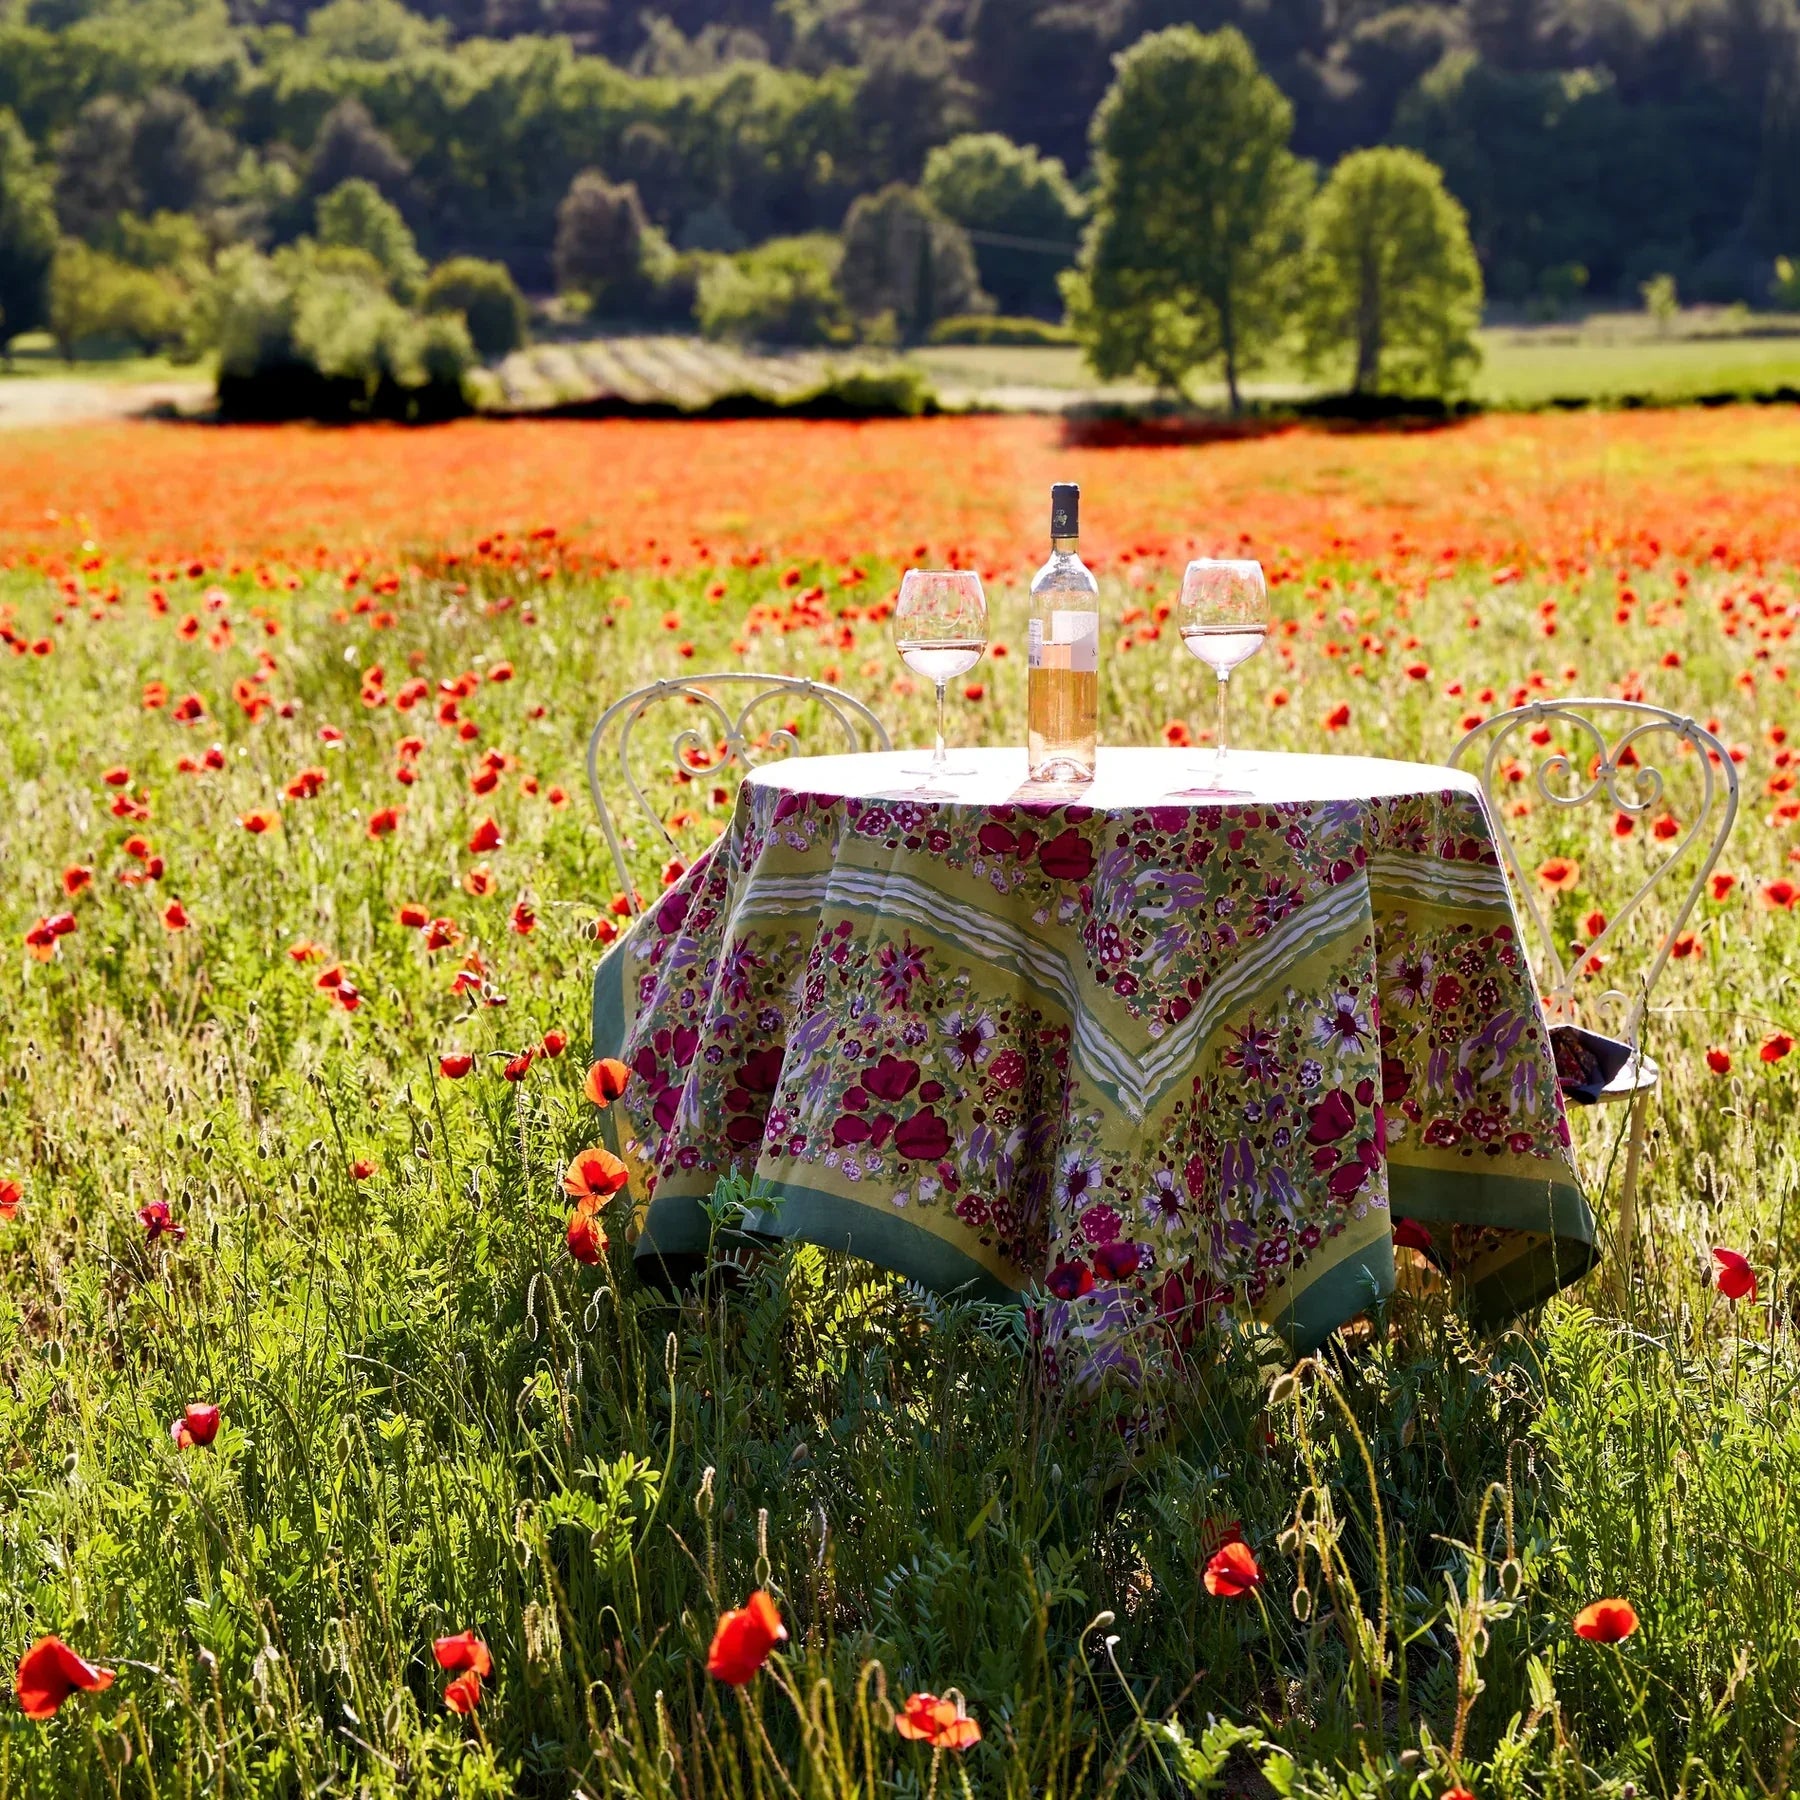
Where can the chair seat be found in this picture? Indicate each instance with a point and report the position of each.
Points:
(1638, 1076)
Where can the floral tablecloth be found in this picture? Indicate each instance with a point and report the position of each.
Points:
(1153, 1055)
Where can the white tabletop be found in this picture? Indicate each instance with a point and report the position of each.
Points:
(1125, 777)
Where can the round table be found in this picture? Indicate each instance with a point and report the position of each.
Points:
(1154, 1055)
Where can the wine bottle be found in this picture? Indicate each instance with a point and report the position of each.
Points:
(1063, 650)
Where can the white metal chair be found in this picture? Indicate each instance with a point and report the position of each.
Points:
(728, 733)
(1618, 773)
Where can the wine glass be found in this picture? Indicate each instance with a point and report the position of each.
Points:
(940, 630)
(1223, 616)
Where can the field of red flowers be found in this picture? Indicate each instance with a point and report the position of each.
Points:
(340, 1448)
(1544, 490)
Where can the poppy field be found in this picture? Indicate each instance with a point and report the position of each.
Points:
(342, 1450)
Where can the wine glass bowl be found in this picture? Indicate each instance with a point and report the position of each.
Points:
(1223, 617)
(941, 632)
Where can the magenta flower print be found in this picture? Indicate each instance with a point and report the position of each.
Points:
(1343, 1028)
(901, 965)
(970, 1034)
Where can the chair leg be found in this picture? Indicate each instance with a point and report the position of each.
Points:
(1626, 1234)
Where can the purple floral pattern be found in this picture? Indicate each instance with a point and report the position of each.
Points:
(1160, 1064)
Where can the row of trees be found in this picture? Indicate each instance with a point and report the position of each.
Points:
(1623, 138)
(1209, 243)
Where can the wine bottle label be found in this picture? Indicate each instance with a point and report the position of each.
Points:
(1080, 631)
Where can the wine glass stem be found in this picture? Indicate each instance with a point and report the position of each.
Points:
(939, 759)
(1224, 689)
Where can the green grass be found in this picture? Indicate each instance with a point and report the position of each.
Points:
(434, 1419)
(35, 353)
(1601, 360)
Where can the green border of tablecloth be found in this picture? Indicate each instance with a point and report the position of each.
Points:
(1448, 1194)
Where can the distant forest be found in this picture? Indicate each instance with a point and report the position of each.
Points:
(1594, 143)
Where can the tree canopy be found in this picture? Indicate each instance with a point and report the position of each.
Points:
(1021, 212)
(1391, 278)
(27, 233)
(1198, 216)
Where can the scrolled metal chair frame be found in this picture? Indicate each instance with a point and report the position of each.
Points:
(732, 722)
(1633, 791)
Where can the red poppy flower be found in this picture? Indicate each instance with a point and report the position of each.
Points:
(479, 881)
(197, 1426)
(1722, 884)
(606, 1081)
(1559, 874)
(1232, 1572)
(383, 821)
(40, 940)
(523, 920)
(49, 1672)
(10, 1196)
(462, 1651)
(943, 1724)
(1719, 1061)
(1176, 733)
(1733, 1275)
(1775, 1046)
(1117, 1260)
(456, 1065)
(462, 1693)
(307, 785)
(585, 1237)
(1457, 1793)
(1070, 1280)
(1779, 895)
(1409, 1234)
(518, 1067)
(157, 1222)
(75, 877)
(485, 837)
(117, 777)
(1338, 717)
(188, 709)
(256, 823)
(594, 1175)
(361, 1171)
(414, 918)
(744, 1638)
(306, 951)
(1606, 1621)
(555, 1043)
(175, 916)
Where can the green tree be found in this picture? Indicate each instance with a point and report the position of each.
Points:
(95, 181)
(355, 216)
(1391, 277)
(178, 161)
(94, 296)
(601, 235)
(27, 232)
(903, 259)
(371, 31)
(998, 190)
(782, 292)
(485, 294)
(1199, 218)
(350, 146)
